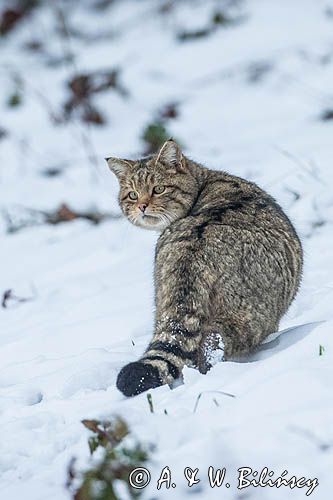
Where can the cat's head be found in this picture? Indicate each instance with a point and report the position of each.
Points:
(157, 190)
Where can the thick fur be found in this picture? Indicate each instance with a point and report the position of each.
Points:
(228, 263)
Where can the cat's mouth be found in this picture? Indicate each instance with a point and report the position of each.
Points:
(150, 221)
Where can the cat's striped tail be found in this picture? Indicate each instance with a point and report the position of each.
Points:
(162, 363)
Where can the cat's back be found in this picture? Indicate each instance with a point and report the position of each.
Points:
(227, 202)
(240, 231)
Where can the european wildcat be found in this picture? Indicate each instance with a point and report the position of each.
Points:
(228, 262)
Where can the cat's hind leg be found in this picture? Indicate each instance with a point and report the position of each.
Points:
(211, 349)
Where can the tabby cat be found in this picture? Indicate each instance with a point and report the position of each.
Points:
(228, 263)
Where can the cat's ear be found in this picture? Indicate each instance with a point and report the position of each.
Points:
(171, 154)
(119, 166)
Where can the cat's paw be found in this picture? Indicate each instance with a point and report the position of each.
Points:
(138, 377)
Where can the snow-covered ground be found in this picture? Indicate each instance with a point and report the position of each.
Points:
(250, 98)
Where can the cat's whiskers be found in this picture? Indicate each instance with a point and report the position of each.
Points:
(133, 219)
(162, 217)
(167, 217)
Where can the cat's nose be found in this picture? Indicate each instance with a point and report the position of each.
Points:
(142, 207)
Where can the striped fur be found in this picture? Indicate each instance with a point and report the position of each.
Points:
(228, 263)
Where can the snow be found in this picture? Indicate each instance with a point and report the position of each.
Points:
(91, 288)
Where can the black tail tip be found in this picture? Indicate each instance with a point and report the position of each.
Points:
(137, 377)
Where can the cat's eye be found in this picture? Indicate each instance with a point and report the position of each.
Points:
(133, 195)
(158, 189)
